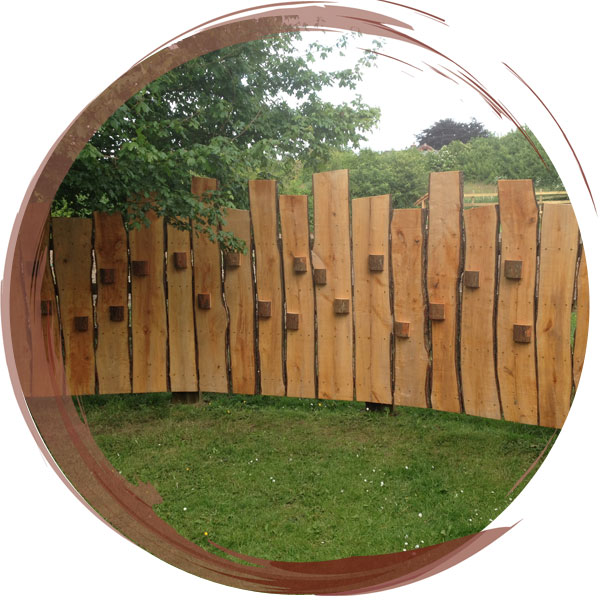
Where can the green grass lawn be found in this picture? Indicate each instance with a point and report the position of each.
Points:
(299, 480)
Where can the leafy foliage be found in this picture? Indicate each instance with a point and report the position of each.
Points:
(445, 131)
(248, 111)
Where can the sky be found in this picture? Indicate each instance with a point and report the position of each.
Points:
(410, 100)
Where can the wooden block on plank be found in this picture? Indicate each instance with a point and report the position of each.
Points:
(264, 309)
(232, 259)
(471, 278)
(116, 313)
(292, 321)
(140, 268)
(320, 276)
(180, 260)
(513, 269)
(437, 312)
(204, 301)
(401, 329)
(341, 306)
(300, 264)
(522, 334)
(376, 262)
(107, 276)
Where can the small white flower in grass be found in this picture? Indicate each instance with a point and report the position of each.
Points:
(406, 543)
(461, 491)
(381, 484)
(493, 492)
(406, 466)
(185, 508)
(470, 519)
(403, 549)
(365, 480)
(416, 545)
(422, 542)
(490, 520)
(420, 514)
(342, 492)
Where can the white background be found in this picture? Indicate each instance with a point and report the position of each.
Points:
(57, 56)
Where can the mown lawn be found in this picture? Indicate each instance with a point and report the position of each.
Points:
(299, 480)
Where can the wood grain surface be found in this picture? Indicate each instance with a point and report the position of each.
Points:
(112, 352)
(411, 353)
(558, 258)
(332, 250)
(73, 267)
(263, 210)
(443, 263)
(211, 325)
(299, 297)
(183, 371)
(148, 308)
(583, 315)
(516, 362)
(478, 364)
(372, 308)
(239, 295)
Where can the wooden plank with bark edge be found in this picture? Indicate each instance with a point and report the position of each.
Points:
(263, 211)
(46, 347)
(443, 263)
(332, 250)
(112, 352)
(372, 310)
(239, 295)
(558, 259)
(411, 354)
(73, 268)
(299, 297)
(183, 371)
(583, 315)
(211, 325)
(478, 364)
(516, 362)
(148, 308)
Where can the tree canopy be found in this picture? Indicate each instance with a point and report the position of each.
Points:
(445, 131)
(251, 110)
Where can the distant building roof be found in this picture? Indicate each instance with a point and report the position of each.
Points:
(426, 148)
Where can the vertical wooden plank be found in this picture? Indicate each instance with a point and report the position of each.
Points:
(239, 295)
(516, 361)
(372, 310)
(263, 210)
(183, 371)
(478, 365)
(410, 353)
(112, 351)
(332, 250)
(558, 258)
(211, 324)
(148, 307)
(299, 297)
(73, 267)
(443, 263)
(47, 359)
(583, 315)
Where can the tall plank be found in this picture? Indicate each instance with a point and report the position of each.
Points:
(443, 263)
(148, 307)
(46, 350)
(410, 353)
(112, 352)
(211, 325)
(299, 297)
(478, 366)
(73, 267)
(558, 257)
(263, 210)
(372, 310)
(332, 250)
(183, 371)
(583, 315)
(239, 295)
(516, 360)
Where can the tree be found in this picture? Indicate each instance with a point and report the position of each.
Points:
(248, 111)
(445, 131)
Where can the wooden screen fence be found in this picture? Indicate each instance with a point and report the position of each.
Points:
(456, 310)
